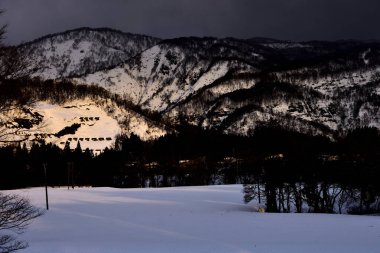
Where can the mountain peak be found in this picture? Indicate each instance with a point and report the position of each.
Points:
(83, 50)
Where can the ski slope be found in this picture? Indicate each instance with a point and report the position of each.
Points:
(186, 219)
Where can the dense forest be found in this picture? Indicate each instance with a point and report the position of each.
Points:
(274, 164)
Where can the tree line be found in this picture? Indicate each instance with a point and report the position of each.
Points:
(277, 160)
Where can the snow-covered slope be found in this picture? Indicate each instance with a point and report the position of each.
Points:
(212, 83)
(83, 50)
(93, 123)
(228, 84)
(172, 71)
(185, 219)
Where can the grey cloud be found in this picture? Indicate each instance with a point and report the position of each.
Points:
(283, 19)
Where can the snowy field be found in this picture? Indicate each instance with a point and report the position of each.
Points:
(186, 219)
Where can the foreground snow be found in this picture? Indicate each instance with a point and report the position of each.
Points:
(186, 219)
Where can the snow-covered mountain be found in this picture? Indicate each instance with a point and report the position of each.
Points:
(81, 51)
(234, 85)
(95, 121)
(226, 84)
(170, 72)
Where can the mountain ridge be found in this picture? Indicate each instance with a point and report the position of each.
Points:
(83, 50)
(83, 28)
(227, 84)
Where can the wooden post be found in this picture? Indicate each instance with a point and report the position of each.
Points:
(46, 190)
(68, 175)
(72, 175)
(258, 190)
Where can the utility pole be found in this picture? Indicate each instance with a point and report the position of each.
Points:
(258, 184)
(70, 175)
(258, 190)
(237, 170)
(46, 190)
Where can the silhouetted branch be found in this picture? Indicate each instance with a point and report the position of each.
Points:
(16, 213)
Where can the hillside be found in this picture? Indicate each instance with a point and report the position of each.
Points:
(83, 50)
(234, 85)
(61, 113)
(229, 85)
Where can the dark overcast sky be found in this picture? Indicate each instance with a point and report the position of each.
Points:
(282, 19)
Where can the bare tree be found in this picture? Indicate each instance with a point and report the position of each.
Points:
(2, 30)
(16, 213)
(14, 65)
